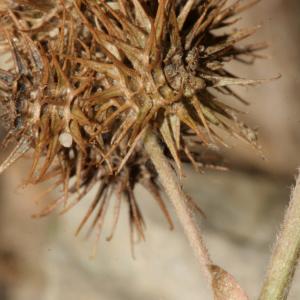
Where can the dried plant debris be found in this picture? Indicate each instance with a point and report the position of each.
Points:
(87, 80)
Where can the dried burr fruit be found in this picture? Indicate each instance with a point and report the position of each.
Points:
(85, 81)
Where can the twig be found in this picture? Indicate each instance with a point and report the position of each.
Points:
(180, 201)
(285, 254)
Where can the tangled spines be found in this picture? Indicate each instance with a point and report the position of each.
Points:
(86, 80)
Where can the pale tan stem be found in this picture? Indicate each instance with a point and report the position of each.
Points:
(286, 253)
(173, 189)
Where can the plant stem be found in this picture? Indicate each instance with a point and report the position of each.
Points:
(172, 187)
(285, 254)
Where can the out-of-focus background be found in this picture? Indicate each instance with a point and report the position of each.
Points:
(42, 260)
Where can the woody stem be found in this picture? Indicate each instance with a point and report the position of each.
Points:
(173, 189)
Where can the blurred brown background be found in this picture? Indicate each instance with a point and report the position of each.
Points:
(42, 260)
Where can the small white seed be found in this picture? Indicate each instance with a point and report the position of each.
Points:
(66, 139)
(53, 33)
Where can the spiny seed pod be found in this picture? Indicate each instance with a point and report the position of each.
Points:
(89, 79)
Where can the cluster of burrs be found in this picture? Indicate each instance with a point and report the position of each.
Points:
(85, 81)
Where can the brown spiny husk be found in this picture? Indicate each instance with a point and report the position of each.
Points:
(86, 80)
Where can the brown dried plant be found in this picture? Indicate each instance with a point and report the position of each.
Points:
(87, 81)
